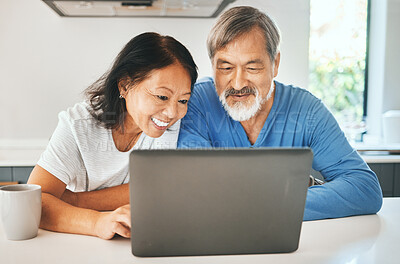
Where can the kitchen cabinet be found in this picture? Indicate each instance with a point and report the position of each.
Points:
(388, 175)
(396, 180)
(15, 174)
(385, 173)
(21, 174)
(5, 174)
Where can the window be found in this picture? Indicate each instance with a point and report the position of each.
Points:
(337, 59)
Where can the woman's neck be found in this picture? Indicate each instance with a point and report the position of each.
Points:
(126, 136)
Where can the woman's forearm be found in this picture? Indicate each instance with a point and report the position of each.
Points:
(62, 217)
(107, 199)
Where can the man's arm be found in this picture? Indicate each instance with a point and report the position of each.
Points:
(107, 199)
(351, 187)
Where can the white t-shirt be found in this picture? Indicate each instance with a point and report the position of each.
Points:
(82, 154)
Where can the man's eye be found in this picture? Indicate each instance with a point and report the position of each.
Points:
(183, 101)
(225, 68)
(253, 69)
(162, 97)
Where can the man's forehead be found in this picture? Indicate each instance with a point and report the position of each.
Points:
(248, 46)
(241, 56)
(243, 59)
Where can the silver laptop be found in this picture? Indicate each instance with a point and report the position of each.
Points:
(217, 201)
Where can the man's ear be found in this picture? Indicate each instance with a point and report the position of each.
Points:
(213, 66)
(277, 60)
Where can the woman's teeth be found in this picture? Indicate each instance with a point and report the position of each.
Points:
(159, 122)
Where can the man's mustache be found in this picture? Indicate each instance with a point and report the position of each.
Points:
(245, 90)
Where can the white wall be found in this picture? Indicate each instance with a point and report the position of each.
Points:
(392, 56)
(384, 62)
(46, 61)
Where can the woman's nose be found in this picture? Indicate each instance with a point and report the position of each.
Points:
(171, 110)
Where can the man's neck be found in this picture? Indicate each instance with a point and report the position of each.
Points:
(253, 126)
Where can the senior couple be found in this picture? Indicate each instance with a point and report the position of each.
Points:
(150, 99)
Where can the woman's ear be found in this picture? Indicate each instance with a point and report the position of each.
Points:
(123, 86)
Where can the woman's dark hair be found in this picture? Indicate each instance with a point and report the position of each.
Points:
(140, 56)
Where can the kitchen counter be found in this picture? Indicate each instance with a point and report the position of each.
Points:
(19, 157)
(27, 152)
(18, 153)
(368, 239)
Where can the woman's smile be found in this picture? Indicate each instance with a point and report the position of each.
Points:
(159, 124)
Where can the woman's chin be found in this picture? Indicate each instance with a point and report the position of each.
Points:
(154, 133)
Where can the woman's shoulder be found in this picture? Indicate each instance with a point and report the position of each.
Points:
(78, 115)
(78, 111)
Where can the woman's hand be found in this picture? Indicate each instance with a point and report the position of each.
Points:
(115, 222)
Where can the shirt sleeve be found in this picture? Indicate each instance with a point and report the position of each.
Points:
(194, 129)
(351, 187)
(62, 157)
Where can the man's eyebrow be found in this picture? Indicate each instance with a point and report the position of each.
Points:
(255, 61)
(221, 61)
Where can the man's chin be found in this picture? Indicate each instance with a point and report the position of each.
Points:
(244, 103)
(241, 110)
(241, 113)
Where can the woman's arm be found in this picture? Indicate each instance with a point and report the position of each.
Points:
(60, 216)
(107, 199)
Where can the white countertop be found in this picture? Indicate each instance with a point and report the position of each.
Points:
(20, 153)
(370, 239)
(381, 158)
(16, 153)
(19, 157)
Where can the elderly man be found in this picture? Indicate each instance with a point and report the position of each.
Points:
(244, 107)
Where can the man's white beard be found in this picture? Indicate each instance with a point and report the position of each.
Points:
(240, 112)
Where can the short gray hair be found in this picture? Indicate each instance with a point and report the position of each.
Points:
(239, 20)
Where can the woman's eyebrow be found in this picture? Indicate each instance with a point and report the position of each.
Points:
(163, 87)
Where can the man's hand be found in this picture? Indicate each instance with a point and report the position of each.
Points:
(115, 222)
(314, 181)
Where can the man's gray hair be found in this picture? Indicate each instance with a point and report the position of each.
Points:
(239, 20)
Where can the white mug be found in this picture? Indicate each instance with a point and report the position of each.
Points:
(20, 210)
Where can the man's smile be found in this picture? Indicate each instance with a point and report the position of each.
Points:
(240, 97)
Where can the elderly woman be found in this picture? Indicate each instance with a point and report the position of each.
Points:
(137, 104)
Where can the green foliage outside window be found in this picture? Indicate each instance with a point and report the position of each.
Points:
(340, 84)
(337, 59)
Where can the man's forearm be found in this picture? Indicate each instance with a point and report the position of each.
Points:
(341, 198)
(107, 199)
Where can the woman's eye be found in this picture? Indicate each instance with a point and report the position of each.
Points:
(162, 97)
(183, 101)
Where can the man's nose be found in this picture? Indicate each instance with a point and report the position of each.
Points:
(239, 79)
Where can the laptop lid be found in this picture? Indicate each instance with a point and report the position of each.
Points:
(217, 201)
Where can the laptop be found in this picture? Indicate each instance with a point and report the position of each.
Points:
(217, 201)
